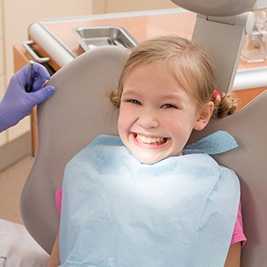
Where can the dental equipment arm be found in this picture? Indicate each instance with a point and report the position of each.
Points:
(220, 28)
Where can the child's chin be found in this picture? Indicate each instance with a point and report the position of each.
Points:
(148, 159)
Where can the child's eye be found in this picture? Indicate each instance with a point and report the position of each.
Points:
(169, 106)
(134, 101)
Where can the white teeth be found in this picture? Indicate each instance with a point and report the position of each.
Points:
(150, 140)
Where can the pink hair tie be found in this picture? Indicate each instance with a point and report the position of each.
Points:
(215, 94)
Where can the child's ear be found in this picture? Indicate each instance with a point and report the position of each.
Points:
(204, 116)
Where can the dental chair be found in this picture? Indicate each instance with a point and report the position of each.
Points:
(80, 110)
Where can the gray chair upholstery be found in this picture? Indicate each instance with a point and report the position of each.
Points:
(77, 112)
(80, 110)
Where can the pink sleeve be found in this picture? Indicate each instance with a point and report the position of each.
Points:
(59, 199)
(238, 235)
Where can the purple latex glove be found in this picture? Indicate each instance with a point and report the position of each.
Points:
(17, 103)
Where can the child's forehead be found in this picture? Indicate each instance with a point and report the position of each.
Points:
(159, 81)
(183, 75)
(158, 65)
(162, 68)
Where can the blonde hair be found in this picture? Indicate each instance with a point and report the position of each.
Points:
(191, 66)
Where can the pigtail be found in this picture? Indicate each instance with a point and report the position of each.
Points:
(224, 105)
(114, 98)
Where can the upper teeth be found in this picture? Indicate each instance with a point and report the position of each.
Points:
(149, 140)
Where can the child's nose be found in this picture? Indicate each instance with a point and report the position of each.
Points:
(148, 119)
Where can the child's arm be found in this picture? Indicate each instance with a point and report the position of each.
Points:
(54, 260)
(233, 257)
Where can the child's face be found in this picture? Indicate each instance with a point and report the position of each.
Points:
(156, 114)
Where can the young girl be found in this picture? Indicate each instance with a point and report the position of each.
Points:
(139, 199)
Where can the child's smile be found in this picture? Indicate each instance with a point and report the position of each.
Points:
(149, 140)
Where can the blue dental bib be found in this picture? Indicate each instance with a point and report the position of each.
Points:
(118, 212)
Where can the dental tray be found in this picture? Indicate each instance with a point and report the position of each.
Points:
(94, 36)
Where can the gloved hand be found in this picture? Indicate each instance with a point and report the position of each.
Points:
(17, 103)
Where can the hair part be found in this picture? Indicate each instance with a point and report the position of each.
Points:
(191, 66)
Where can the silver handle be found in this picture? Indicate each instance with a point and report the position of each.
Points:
(27, 46)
